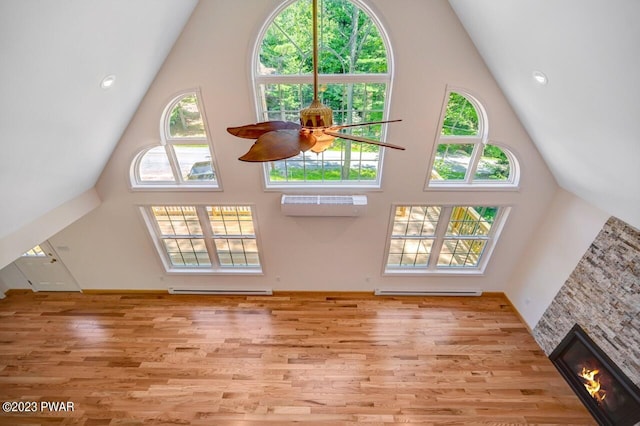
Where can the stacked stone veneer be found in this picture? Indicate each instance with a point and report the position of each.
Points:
(603, 296)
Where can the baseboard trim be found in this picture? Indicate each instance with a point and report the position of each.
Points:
(122, 291)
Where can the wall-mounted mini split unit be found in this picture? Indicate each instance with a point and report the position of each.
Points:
(323, 205)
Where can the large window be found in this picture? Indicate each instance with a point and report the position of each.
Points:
(428, 239)
(184, 157)
(355, 78)
(205, 238)
(463, 156)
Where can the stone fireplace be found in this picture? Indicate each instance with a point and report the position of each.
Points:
(602, 295)
(604, 389)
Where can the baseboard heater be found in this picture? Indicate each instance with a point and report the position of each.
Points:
(381, 292)
(231, 292)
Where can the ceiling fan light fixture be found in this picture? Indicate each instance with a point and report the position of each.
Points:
(323, 141)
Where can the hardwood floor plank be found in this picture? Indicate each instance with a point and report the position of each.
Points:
(318, 358)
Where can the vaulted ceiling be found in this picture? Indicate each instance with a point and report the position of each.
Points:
(584, 120)
(59, 127)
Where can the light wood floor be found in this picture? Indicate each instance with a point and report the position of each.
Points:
(321, 358)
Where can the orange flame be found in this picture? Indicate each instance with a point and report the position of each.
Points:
(592, 384)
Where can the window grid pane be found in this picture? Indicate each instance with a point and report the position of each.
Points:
(187, 251)
(452, 162)
(194, 161)
(285, 51)
(461, 117)
(409, 252)
(493, 165)
(471, 221)
(234, 236)
(185, 120)
(415, 220)
(231, 220)
(177, 220)
(409, 247)
(459, 242)
(154, 166)
(461, 252)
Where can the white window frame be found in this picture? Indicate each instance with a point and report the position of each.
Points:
(261, 113)
(208, 236)
(432, 268)
(168, 143)
(479, 142)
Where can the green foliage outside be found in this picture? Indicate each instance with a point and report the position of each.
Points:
(452, 160)
(326, 174)
(461, 118)
(185, 120)
(349, 43)
(487, 213)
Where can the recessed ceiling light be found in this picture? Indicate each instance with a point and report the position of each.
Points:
(108, 81)
(540, 77)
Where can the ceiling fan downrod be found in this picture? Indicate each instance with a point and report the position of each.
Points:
(316, 115)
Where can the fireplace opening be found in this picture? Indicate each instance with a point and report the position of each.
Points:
(610, 396)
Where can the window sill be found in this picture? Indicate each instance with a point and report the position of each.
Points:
(434, 273)
(206, 271)
(178, 188)
(324, 186)
(452, 186)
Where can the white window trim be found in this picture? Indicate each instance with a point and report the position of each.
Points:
(215, 269)
(432, 269)
(259, 79)
(168, 143)
(479, 142)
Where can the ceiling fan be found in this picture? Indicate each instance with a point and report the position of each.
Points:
(277, 140)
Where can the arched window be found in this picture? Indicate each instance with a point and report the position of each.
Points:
(355, 79)
(462, 156)
(184, 157)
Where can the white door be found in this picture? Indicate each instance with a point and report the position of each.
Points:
(44, 271)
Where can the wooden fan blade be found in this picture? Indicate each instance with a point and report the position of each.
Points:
(278, 145)
(254, 131)
(361, 139)
(344, 126)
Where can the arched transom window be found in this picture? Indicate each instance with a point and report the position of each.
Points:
(355, 77)
(463, 155)
(184, 157)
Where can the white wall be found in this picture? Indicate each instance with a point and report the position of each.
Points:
(560, 241)
(13, 245)
(12, 278)
(110, 248)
